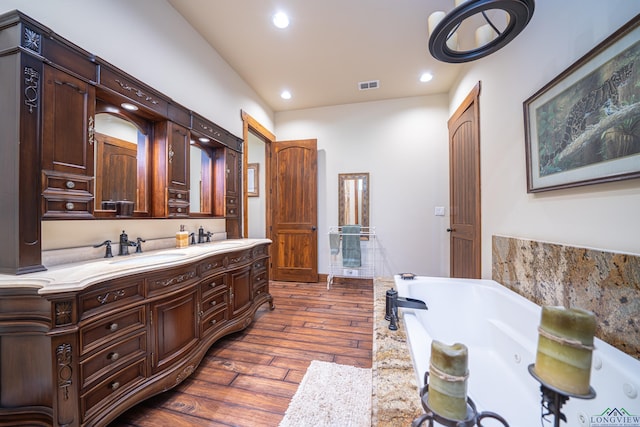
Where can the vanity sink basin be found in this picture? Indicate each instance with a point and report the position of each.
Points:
(148, 259)
(224, 244)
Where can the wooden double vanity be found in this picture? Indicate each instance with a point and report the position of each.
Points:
(81, 343)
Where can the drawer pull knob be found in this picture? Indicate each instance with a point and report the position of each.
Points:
(213, 284)
(113, 327)
(213, 322)
(179, 209)
(70, 185)
(213, 303)
(179, 196)
(115, 385)
(114, 356)
(69, 206)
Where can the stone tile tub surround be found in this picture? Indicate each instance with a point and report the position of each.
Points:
(606, 283)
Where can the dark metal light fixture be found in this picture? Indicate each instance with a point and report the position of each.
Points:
(519, 14)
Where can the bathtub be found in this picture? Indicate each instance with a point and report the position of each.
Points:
(499, 327)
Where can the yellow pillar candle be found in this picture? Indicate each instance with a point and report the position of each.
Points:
(565, 347)
(448, 373)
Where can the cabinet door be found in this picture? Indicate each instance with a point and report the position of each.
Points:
(175, 328)
(232, 181)
(67, 132)
(178, 170)
(240, 290)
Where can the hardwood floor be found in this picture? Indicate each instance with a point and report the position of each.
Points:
(249, 378)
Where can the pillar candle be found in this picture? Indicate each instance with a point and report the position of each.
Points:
(484, 34)
(448, 375)
(565, 347)
(434, 19)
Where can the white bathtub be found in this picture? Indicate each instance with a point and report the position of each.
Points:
(499, 327)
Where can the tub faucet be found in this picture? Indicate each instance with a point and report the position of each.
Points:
(393, 301)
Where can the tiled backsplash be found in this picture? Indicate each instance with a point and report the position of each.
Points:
(606, 283)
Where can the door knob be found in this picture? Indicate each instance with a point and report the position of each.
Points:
(450, 230)
(313, 228)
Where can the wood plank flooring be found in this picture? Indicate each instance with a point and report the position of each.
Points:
(248, 378)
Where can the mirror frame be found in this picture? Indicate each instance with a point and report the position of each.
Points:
(342, 177)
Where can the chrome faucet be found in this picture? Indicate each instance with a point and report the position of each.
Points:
(393, 301)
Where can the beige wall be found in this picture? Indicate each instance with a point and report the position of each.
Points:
(603, 216)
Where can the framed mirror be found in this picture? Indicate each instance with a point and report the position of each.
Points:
(353, 199)
(201, 179)
(121, 163)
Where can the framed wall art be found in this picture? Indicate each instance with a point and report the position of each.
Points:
(583, 127)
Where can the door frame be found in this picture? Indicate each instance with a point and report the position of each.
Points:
(251, 124)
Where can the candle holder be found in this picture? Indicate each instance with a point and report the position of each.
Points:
(553, 399)
(473, 418)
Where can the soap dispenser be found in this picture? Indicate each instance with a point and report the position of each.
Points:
(182, 238)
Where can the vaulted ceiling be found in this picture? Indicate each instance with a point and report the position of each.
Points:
(329, 47)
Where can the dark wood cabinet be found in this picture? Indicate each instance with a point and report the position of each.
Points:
(95, 352)
(48, 144)
(68, 141)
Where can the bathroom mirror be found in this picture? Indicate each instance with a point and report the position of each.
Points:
(120, 163)
(201, 170)
(353, 199)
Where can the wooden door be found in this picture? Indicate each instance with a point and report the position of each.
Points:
(294, 253)
(464, 158)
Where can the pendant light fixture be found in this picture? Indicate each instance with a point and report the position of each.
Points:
(489, 37)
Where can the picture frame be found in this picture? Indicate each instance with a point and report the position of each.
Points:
(583, 127)
(253, 176)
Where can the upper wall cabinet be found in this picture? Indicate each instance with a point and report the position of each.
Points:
(58, 163)
(68, 138)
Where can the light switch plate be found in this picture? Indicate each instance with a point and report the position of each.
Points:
(439, 211)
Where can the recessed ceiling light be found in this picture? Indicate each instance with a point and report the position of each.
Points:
(285, 94)
(426, 77)
(128, 106)
(203, 139)
(281, 20)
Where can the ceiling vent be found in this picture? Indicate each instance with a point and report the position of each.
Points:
(372, 84)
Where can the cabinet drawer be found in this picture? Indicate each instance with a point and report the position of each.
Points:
(211, 266)
(80, 185)
(59, 206)
(260, 280)
(171, 279)
(176, 196)
(236, 259)
(259, 265)
(113, 294)
(112, 358)
(264, 289)
(214, 320)
(214, 301)
(112, 387)
(178, 210)
(261, 250)
(213, 285)
(113, 327)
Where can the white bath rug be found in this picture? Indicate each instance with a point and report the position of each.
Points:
(331, 395)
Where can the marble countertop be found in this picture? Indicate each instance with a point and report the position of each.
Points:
(77, 276)
(395, 395)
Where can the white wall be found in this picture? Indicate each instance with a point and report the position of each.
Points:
(602, 216)
(402, 143)
(149, 40)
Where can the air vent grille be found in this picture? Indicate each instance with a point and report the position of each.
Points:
(372, 84)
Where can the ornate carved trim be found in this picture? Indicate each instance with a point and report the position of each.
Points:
(139, 93)
(188, 370)
(63, 313)
(65, 370)
(31, 88)
(111, 296)
(32, 40)
(177, 279)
